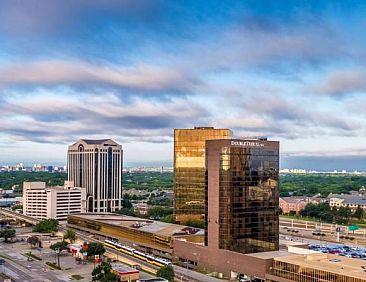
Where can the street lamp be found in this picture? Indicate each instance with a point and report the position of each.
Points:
(58, 257)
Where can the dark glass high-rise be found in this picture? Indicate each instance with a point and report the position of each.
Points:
(242, 195)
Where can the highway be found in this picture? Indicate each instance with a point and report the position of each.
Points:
(306, 228)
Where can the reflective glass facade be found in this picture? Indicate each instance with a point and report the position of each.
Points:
(302, 273)
(189, 170)
(245, 178)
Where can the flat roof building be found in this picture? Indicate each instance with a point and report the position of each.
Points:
(97, 166)
(57, 202)
(189, 171)
(125, 273)
(317, 267)
(242, 195)
(241, 207)
(145, 234)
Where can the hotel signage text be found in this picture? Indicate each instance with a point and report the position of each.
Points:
(247, 144)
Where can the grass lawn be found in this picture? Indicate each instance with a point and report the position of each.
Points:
(297, 217)
(76, 277)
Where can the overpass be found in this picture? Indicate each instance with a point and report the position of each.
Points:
(19, 216)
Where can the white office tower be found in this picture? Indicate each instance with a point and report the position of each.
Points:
(56, 202)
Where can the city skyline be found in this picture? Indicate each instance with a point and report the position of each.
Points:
(132, 71)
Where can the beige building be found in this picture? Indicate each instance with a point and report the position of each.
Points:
(97, 166)
(56, 202)
(351, 201)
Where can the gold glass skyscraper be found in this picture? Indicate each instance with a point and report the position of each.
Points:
(189, 170)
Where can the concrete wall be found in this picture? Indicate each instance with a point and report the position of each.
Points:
(224, 261)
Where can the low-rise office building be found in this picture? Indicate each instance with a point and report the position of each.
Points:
(152, 236)
(125, 273)
(291, 265)
(293, 204)
(57, 202)
(316, 267)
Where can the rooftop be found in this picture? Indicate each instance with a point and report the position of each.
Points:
(350, 199)
(142, 224)
(294, 199)
(355, 200)
(95, 142)
(327, 262)
(92, 142)
(121, 268)
(270, 255)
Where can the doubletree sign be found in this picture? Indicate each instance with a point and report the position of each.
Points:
(353, 227)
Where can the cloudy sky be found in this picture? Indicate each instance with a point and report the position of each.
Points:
(134, 70)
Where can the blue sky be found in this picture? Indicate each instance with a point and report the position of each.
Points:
(134, 70)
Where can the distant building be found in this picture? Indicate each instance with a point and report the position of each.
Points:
(8, 192)
(141, 208)
(189, 170)
(136, 192)
(169, 194)
(344, 200)
(97, 166)
(56, 202)
(7, 202)
(293, 204)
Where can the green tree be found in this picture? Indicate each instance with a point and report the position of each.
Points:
(7, 234)
(103, 273)
(311, 210)
(95, 249)
(195, 223)
(166, 272)
(359, 213)
(126, 203)
(344, 215)
(11, 178)
(127, 207)
(58, 248)
(17, 207)
(168, 219)
(280, 211)
(158, 212)
(325, 212)
(70, 235)
(33, 241)
(125, 211)
(46, 226)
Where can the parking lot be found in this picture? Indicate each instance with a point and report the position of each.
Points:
(342, 250)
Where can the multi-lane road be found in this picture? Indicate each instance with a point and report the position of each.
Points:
(17, 267)
(305, 229)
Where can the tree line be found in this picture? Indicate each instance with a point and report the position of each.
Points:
(324, 212)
